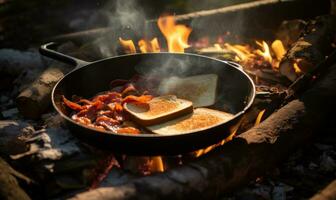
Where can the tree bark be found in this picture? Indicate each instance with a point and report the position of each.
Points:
(247, 156)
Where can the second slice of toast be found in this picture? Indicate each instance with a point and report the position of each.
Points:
(159, 110)
(200, 89)
(200, 119)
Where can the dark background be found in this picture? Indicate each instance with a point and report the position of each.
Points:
(26, 23)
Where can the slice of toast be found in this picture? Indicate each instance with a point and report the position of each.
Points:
(159, 110)
(200, 119)
(200, 89)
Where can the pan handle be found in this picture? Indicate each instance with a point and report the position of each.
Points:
(47, 50)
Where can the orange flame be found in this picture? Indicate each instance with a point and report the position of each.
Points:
(176, 34)
(278, 49)
(127, 45)
(259, 117)
(265, 52)
(297, 68)
(243, 52)
(143, 46)
(233, 131)
(155, 45)
(157, 164)
(152, 46)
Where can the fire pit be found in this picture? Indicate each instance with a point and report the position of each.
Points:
(289, 54)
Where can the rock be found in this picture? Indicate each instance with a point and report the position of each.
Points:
(53, 120)
(10, 113)
(323, 147)
(263, 191)
(299, 169)
(49, 144)
(14, 62)
(327, 164)
(312, 166)
(9, 131)
(4, 99)
(286, 187)
(279, 193)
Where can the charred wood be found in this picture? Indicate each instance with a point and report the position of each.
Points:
(289, 31)
(244, 158)
(9, 186)
(33, 101)
(311, 48)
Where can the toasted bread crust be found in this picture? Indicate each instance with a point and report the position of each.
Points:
(160, 109)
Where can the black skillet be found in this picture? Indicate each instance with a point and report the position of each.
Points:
(235, 94)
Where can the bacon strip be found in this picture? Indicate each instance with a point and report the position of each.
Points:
(130, 130)
(105, 110)
(129, 89)
(141, 99)
(72, 105)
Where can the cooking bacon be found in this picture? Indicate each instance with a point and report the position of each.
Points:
(129, 90)
(105, 110)
(131, 130)
(143, 99)
(72, 105)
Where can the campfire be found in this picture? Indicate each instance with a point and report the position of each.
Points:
(262, 149)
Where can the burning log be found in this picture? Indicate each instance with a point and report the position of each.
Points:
(289, 31)
(33, 101)
(311, 48)
(328, 193)
(240, 160)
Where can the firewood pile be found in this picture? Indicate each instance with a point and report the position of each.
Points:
(283, 148)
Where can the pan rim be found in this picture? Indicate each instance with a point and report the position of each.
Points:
(237, 115)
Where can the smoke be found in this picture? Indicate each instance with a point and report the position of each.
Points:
(169, 65)
(128, 14)
(126, 19)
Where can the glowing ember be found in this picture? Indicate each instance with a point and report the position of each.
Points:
(157, 164)
(176, 34)
(128, 46)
